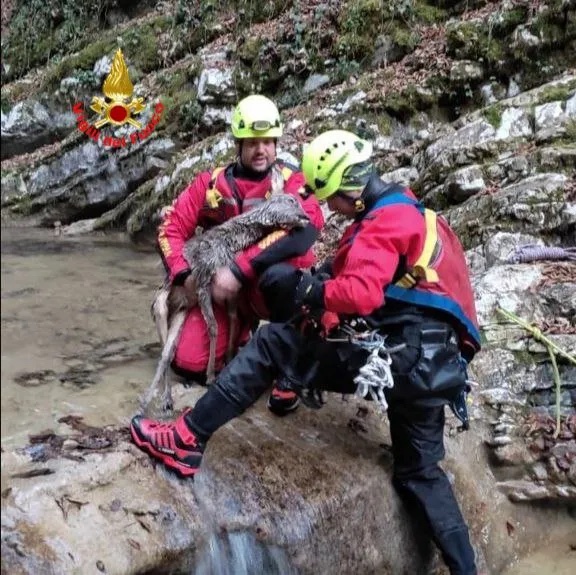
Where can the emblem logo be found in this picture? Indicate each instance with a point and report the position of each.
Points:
(117, 108)
(117, 88)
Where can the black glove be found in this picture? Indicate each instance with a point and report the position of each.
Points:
(309, 292)
(324, 270)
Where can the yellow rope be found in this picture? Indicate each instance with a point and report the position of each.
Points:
(553, 350)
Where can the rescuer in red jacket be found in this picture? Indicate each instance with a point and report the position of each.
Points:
(399, 272)
(216, 196)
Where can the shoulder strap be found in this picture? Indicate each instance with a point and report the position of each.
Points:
(421, 268)
(213, 196)
(286, 173)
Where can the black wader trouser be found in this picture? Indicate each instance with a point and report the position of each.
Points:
(416, 426)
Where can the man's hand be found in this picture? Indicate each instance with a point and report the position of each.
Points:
(190, 291)
(225, 286)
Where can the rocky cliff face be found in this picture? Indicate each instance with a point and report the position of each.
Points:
(471, 103)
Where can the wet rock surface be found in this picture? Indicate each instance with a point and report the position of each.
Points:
(289, 494)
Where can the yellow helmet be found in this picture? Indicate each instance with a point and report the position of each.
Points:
(256, 117)
(328, 156)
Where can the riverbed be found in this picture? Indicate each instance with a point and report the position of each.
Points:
(77, 336)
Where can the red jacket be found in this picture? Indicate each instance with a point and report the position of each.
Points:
(192, 208)
(369, 255)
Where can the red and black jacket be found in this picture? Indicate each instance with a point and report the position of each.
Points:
(398, 254)
(214, 197)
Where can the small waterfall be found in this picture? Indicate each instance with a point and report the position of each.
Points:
(240, 553)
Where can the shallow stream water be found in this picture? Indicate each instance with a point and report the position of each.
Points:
(77, 338)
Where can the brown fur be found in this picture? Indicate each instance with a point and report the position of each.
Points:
(206, 253)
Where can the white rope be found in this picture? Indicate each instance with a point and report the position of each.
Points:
(374, 377)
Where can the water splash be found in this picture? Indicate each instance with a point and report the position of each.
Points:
(240, 553)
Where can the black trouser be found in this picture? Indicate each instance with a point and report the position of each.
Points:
(416, 427)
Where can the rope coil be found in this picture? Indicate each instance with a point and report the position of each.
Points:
(376, 374)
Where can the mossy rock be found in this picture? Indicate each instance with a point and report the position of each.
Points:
(360, 22)
(404, 104)
(42, 29)
(493, 114)
(473, 41)
(556, 93)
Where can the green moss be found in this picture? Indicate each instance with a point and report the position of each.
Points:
(406, 38)
(429, 13)
(555, 24)
(42, 29)
(493, 115)
(557, 93)
(141, 44)
(84, 60)
(406, 103)
(249, 50)
(474, 41)
(505, 21)
(360, 22)
(570, 132)
(5, 104)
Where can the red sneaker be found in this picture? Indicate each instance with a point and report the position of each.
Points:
(172, 443)
(282, 401)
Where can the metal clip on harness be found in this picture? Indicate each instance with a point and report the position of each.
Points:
(375, 375)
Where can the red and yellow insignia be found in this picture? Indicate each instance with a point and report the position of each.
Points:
(270, 239)
(117, 88)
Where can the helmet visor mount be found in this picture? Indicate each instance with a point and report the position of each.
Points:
(259, 125)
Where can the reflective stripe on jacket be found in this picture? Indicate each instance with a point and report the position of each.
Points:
(214, 197)
(393, 235)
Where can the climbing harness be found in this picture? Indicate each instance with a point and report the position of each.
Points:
(376, 374)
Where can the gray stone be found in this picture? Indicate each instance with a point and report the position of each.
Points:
(216, 116)
(90, 178)
(515, 123)
(216, 86)
(523, 39)
(29, 125)
(102, 68)
(549, 119)
(315, 82)
(163, 524)
(403, 176)
(463, 183)
(570, 110)
(502, 245)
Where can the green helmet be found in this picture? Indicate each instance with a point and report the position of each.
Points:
(328, 156)
(256, 117)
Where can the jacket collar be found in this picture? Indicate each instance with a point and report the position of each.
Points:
(375, 189)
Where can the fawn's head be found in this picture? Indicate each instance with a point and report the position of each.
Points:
(280, 211)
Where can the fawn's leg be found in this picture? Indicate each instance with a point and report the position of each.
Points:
(205, 301)
(233, 330)
(160, 312)
(161, 377)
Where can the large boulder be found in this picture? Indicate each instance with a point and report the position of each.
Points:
(30, 124)
(84, 181)
(312, 492)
